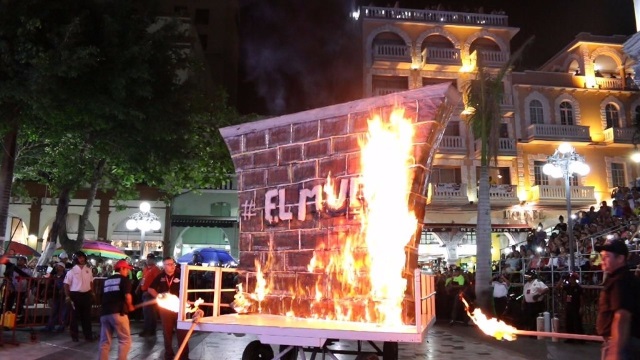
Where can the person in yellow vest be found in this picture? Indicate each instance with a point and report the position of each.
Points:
(455, 287)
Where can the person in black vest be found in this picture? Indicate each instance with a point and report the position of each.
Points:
(572, 292)
(169, 281)
(618, 308)
(116, 304)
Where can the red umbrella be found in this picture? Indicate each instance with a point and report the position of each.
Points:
(21, 249)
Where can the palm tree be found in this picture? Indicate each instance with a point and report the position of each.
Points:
(482, 98)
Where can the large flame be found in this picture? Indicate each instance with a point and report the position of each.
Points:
(491, 326)
(168, 301)
(363, 279)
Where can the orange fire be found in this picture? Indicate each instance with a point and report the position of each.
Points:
(490, 326)
(168, 301)
(362, 280)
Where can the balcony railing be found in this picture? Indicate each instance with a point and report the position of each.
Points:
(448, 193)
(619, 135)
(506, 147)
(609, 83)
(493, 57)
(443, 56)
(386, 91)
(558, 132)
(392, 52)
(504, 194)
(451, 17)
(556, 194)
(452, 144)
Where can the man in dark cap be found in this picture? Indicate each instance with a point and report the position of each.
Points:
(618, 309)
(116, 304)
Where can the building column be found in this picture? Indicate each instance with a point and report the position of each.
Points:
(103, 222)
(34, 221)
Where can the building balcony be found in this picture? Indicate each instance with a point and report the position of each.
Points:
(558, 132)
(392, 52)
(504, 195)
(386, 91)
(609, 83)
(619, 135)
(492, 58)
(556, 195)
(434, 16)
(506, 147)
(452, 145)
(441, 56)
(448, 194)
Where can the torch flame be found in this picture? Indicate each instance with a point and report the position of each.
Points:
(191, 308)
(168, 301)
(491, 326)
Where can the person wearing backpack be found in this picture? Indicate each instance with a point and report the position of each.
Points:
(618, 310)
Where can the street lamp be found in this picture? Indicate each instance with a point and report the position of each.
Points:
(144, 220)
(563, 164)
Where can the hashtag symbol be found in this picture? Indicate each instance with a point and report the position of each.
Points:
(248, 209)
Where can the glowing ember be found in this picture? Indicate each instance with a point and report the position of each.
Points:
(168, 301)
(492, 327)
(190, 308)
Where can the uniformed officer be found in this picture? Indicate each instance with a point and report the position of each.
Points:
(534, 291)
(78, 289)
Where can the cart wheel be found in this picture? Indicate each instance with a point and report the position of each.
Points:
(257, 351)
(368, 356)
(390, 351)
(291, 355)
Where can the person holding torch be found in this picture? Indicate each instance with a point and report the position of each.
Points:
(116, 304)
(169, 282)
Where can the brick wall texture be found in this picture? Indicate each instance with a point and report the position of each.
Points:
(294, 152)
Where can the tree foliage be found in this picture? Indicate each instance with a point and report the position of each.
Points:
(106, 104)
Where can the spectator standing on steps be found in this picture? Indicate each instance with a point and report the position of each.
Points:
(116, 304)
(78, 289)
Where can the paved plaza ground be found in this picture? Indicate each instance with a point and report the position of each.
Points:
(442, 342)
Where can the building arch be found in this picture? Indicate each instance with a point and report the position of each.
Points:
(622, 120)
(535, 95)
(438, 31)
(607, 51)
(383, 29)
(574, 104)
(568, 65)
(484, 34)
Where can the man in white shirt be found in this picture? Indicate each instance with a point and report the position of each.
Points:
(78, 289)
(500, 286)
(533, 291)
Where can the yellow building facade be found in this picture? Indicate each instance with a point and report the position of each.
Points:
(584, 95)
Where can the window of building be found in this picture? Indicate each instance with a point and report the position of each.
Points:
(446, 175)
(617, 175)
(539, 177)
(469, 238)
(204, 39)
(574, 180)
(566, 113)
(612, 116)
(535, 112)
(202, 17)
(504, 131)
(221, 209)
(428, 238)
(637, 116)
(453, 129)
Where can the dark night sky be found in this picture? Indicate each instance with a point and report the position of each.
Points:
(303, 54)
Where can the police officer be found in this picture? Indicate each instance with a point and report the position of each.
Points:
(169, 281)
(534, 291)
(116, 304)
(78, 289)
(572, 292)
(618, 308)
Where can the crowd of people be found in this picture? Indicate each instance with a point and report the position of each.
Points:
(71, 296)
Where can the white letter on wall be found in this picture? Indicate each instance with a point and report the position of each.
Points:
(302, 203)
(284, 215)
(269, 205)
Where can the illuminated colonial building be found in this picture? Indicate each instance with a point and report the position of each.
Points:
(583, 95)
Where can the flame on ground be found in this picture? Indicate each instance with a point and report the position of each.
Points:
(363, 280)
(490, 326)
(168, 301)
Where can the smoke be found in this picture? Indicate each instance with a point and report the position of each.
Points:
(300, 54)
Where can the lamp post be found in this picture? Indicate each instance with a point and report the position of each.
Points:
(144, 220)
(563, 164)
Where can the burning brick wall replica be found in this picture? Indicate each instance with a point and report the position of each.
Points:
(301, 240)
